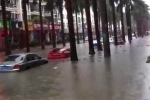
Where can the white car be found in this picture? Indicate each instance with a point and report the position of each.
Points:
(86, 38)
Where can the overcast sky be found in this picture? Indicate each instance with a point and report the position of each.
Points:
(147, 2)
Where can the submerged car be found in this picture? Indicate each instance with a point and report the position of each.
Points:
(22, 61)
(59, 53)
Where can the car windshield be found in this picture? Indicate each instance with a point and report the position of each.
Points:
(14, 58)
(56, 50)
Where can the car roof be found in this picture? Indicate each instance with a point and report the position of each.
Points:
(21, 54)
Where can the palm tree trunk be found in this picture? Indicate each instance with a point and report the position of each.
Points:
(99, 22)
(53, 29)
(128, 17)
(105, 28)
(90, 38)
(99, 45)
(77, 28)
(83, 26)
(41, 24)
(26, 25)
(122, 24)
(73, 55)
(7, 41)
(114, 23)
(62, 25)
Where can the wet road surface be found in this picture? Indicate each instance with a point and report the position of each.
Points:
(124, 76)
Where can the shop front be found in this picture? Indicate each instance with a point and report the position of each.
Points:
(47, 32)
(22, 39)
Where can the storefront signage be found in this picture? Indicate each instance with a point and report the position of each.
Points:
(46, 27)
(38, 26)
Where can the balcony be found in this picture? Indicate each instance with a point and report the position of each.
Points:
(10, 7)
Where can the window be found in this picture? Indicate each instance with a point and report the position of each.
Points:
(79, 19)
(14, 58)
(30, 57)
(36, 57)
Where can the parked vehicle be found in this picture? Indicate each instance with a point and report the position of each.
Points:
(22, 61)
(59, 53)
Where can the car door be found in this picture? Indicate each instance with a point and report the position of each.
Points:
(37, 59)
(30, 61)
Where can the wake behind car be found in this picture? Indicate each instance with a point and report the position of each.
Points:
(22, 61)
(59, 53)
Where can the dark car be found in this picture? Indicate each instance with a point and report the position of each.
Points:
(59, 53)
(22, 61)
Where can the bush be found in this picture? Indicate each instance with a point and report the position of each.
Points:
(34, 43)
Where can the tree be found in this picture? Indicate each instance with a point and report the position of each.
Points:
(59, 5)
(76, 11)
(88, 19)
(7, 41)
(112, 3)
(81, 7)
(128, 18)
(103, 10)
(141, 16)
(99, 45)
(73, 55)
(120, 9)
(41, 24)
(110, 19)
(50, 7)
(24, 3)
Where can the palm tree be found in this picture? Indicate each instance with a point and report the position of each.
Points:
(73, 56)
(96, 25)
(59, 5)
(81, 8)
(128, 18)
(24, 3)
(110, 19)
(103, 10)
(7, 41)
(88, 19)
(41, 24)
(112, 3)
(50, 7)
(120, 9)
(76, 11)
(141, 16)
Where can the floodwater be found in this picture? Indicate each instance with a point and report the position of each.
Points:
(124, 76)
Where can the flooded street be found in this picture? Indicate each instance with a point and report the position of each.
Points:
(124, 76)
